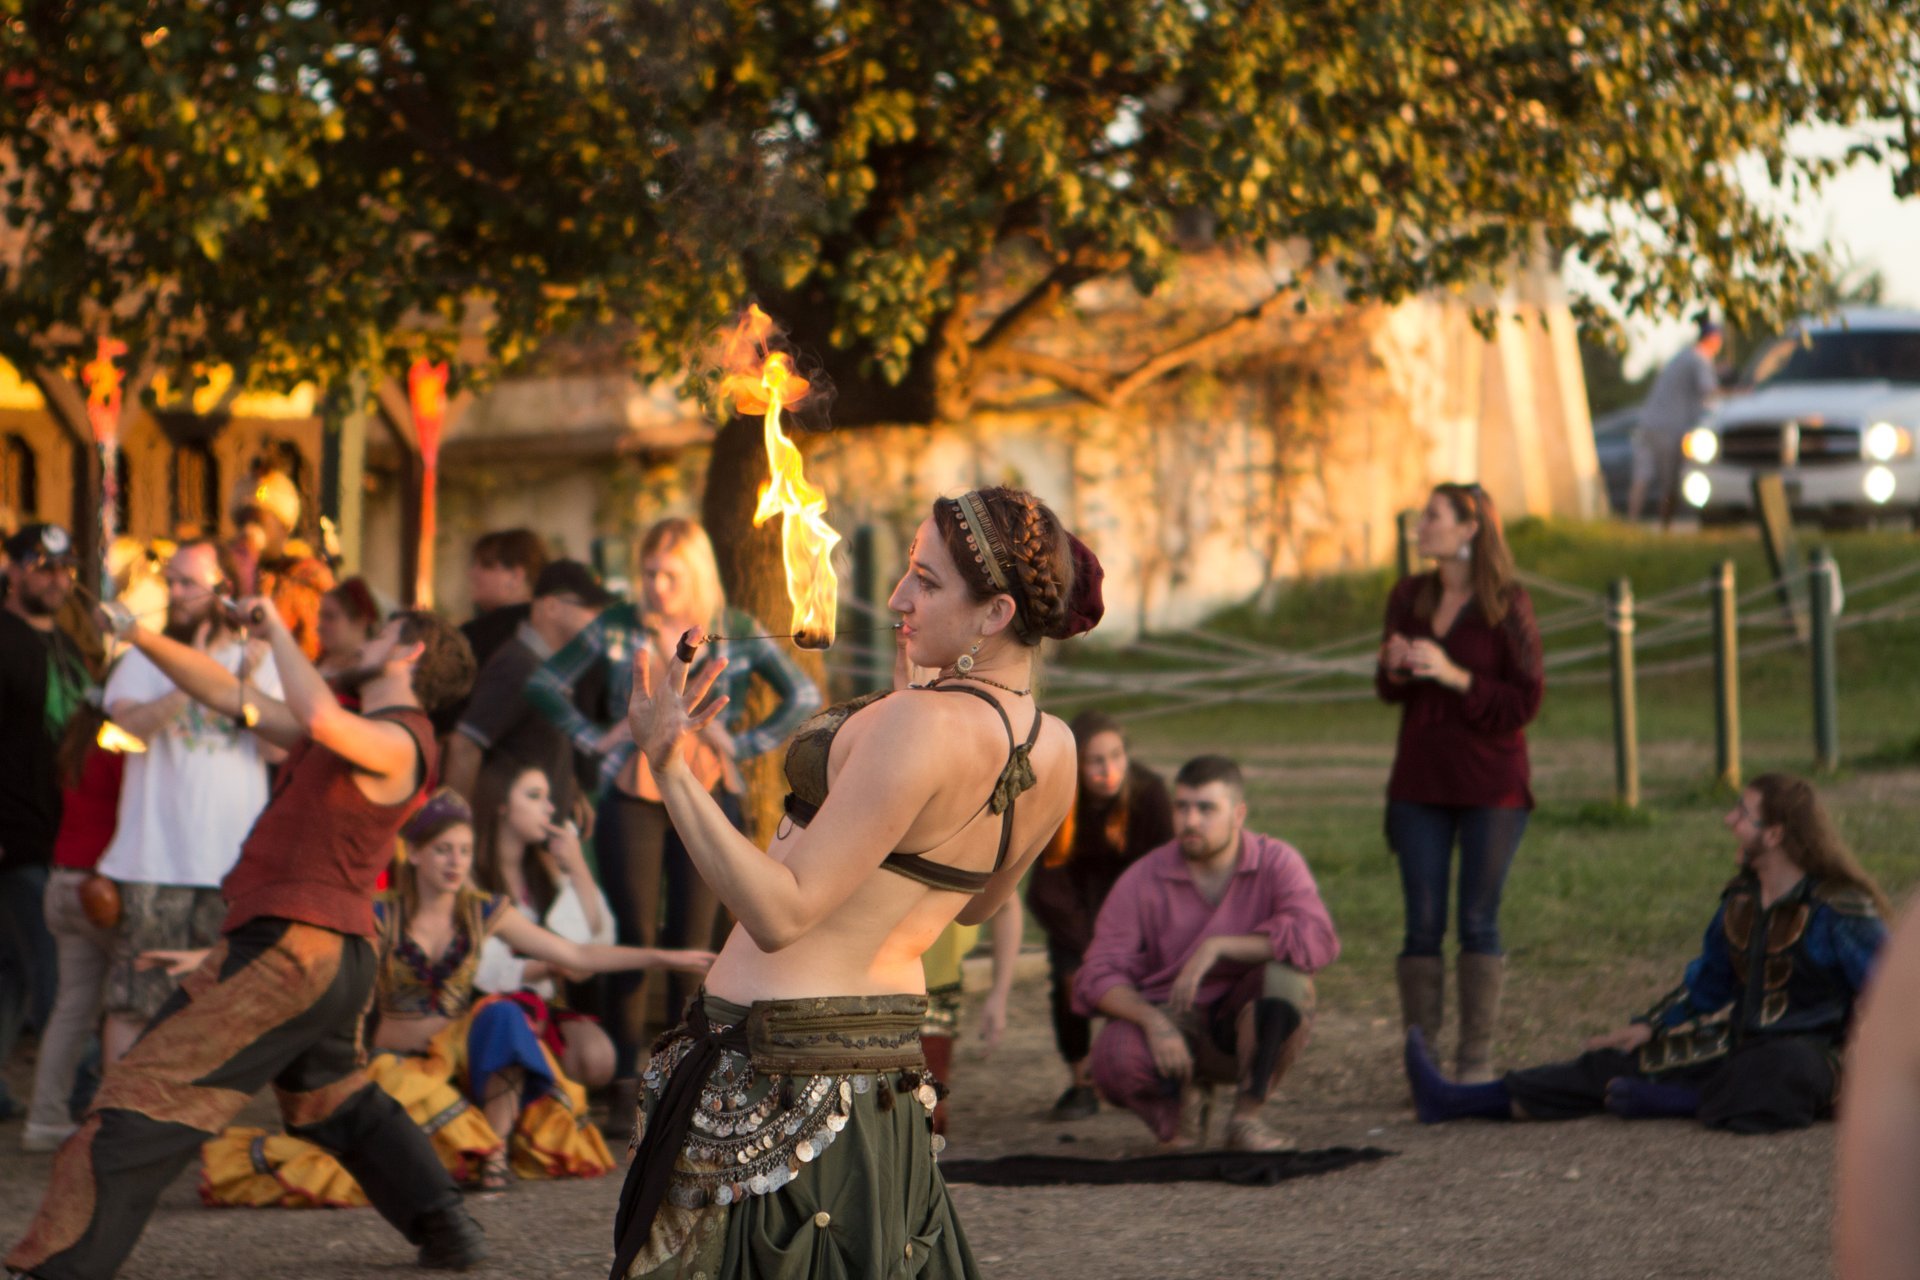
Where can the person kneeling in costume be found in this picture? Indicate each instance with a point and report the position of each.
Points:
(443, 1045)
(1750, 1041)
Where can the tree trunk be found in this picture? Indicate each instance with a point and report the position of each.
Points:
(755, 579)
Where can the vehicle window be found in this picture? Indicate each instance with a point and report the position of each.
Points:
(1861, 355)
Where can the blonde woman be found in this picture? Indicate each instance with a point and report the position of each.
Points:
(634, 838)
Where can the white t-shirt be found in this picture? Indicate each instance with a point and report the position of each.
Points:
(189, 800)
(501, 970)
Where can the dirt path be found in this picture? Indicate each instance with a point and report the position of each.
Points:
(1591, 1199)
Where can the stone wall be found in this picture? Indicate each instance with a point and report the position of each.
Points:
(1280, 458)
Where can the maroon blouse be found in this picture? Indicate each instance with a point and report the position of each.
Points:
(1466, 748)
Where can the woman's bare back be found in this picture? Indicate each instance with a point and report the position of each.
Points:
(871, 943)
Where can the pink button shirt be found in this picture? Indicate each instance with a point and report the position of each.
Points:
(1155, 918)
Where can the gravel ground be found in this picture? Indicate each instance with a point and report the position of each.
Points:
(1596, 1198)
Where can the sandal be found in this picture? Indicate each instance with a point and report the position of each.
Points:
(495, 1174)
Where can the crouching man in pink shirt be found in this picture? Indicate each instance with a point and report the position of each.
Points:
(1201, 960)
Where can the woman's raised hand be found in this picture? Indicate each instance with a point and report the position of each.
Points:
(563, 842)
(664, 706)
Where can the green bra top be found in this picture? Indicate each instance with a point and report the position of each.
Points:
(807, 787)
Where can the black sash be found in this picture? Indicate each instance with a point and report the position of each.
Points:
(667, 1126)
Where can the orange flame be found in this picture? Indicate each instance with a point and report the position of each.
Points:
(763, 381)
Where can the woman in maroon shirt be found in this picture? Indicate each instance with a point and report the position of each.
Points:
(1461, 656)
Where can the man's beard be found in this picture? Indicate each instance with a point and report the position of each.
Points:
(184, 630)
(354, 679)
(42, 604)
(1207, 852)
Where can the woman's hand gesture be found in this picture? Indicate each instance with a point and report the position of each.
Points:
(664, 708)
(563, 844)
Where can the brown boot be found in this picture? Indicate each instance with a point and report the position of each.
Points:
(1423, 989)
(1481, 979)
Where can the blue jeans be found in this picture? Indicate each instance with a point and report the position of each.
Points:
(1423, 836)
(27, 961)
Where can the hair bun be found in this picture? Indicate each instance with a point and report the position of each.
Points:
(1087, 604)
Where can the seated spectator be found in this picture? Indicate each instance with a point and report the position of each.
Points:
(349, 617)
(500, 728)
(1120, 812)
(1202, 960)
(188, 800)
(1750, 1039)
(501, 575)
(521, 855)
(441, 1043)
(90, 797)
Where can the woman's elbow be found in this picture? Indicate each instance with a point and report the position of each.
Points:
(773, 935)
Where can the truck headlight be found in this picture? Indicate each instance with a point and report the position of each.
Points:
(1696, 489)
(1884, 442)
(1879, 485)
(1700, 445)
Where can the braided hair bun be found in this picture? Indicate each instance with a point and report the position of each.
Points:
(1037, 557)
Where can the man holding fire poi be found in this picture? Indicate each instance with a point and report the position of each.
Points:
(904, 814)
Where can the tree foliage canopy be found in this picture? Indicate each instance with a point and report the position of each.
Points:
(293, 186)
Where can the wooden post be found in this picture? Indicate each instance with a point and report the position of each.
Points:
(1407, 549)
(1726, 676)
(1826, 697)
(1626, 728)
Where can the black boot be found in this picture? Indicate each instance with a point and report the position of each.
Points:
(450, 1240)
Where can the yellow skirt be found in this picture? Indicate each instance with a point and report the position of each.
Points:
(552, 1138)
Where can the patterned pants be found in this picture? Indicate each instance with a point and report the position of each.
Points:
(275, 1002)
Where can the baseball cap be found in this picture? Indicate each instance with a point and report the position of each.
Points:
(36, 542)
(571, 578)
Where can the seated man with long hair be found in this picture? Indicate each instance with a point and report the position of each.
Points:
(1750, 1040)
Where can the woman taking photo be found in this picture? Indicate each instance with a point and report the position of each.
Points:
(633, 835)
(348, 618)
(1120, 811)
(1461, 656)
(789, 1119)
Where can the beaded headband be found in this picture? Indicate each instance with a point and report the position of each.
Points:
(983, 539)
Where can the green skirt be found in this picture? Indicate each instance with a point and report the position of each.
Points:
(811, 1151)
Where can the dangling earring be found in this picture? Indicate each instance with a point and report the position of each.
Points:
(1466, 550)
(964, 663)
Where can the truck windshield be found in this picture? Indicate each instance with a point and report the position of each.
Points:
(1860, 355)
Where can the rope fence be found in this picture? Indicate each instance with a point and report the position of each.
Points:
(1591, 638)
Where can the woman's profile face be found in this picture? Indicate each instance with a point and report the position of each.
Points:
(1442, 532)
(1103, 765)
(529, 807)
(938, 619)
(442, 864)
(666, 583)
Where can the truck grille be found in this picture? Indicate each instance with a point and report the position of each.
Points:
(1787, 444)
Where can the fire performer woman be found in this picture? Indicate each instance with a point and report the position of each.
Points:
(788, 1121)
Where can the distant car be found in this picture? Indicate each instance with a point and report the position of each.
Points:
(1613, 446)
(1834, 409)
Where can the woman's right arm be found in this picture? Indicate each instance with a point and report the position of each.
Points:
(1388, 682)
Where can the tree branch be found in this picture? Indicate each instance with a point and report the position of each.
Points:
(1111, 390)
(1035, 305)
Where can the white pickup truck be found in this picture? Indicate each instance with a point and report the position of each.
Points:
(1835, 409)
